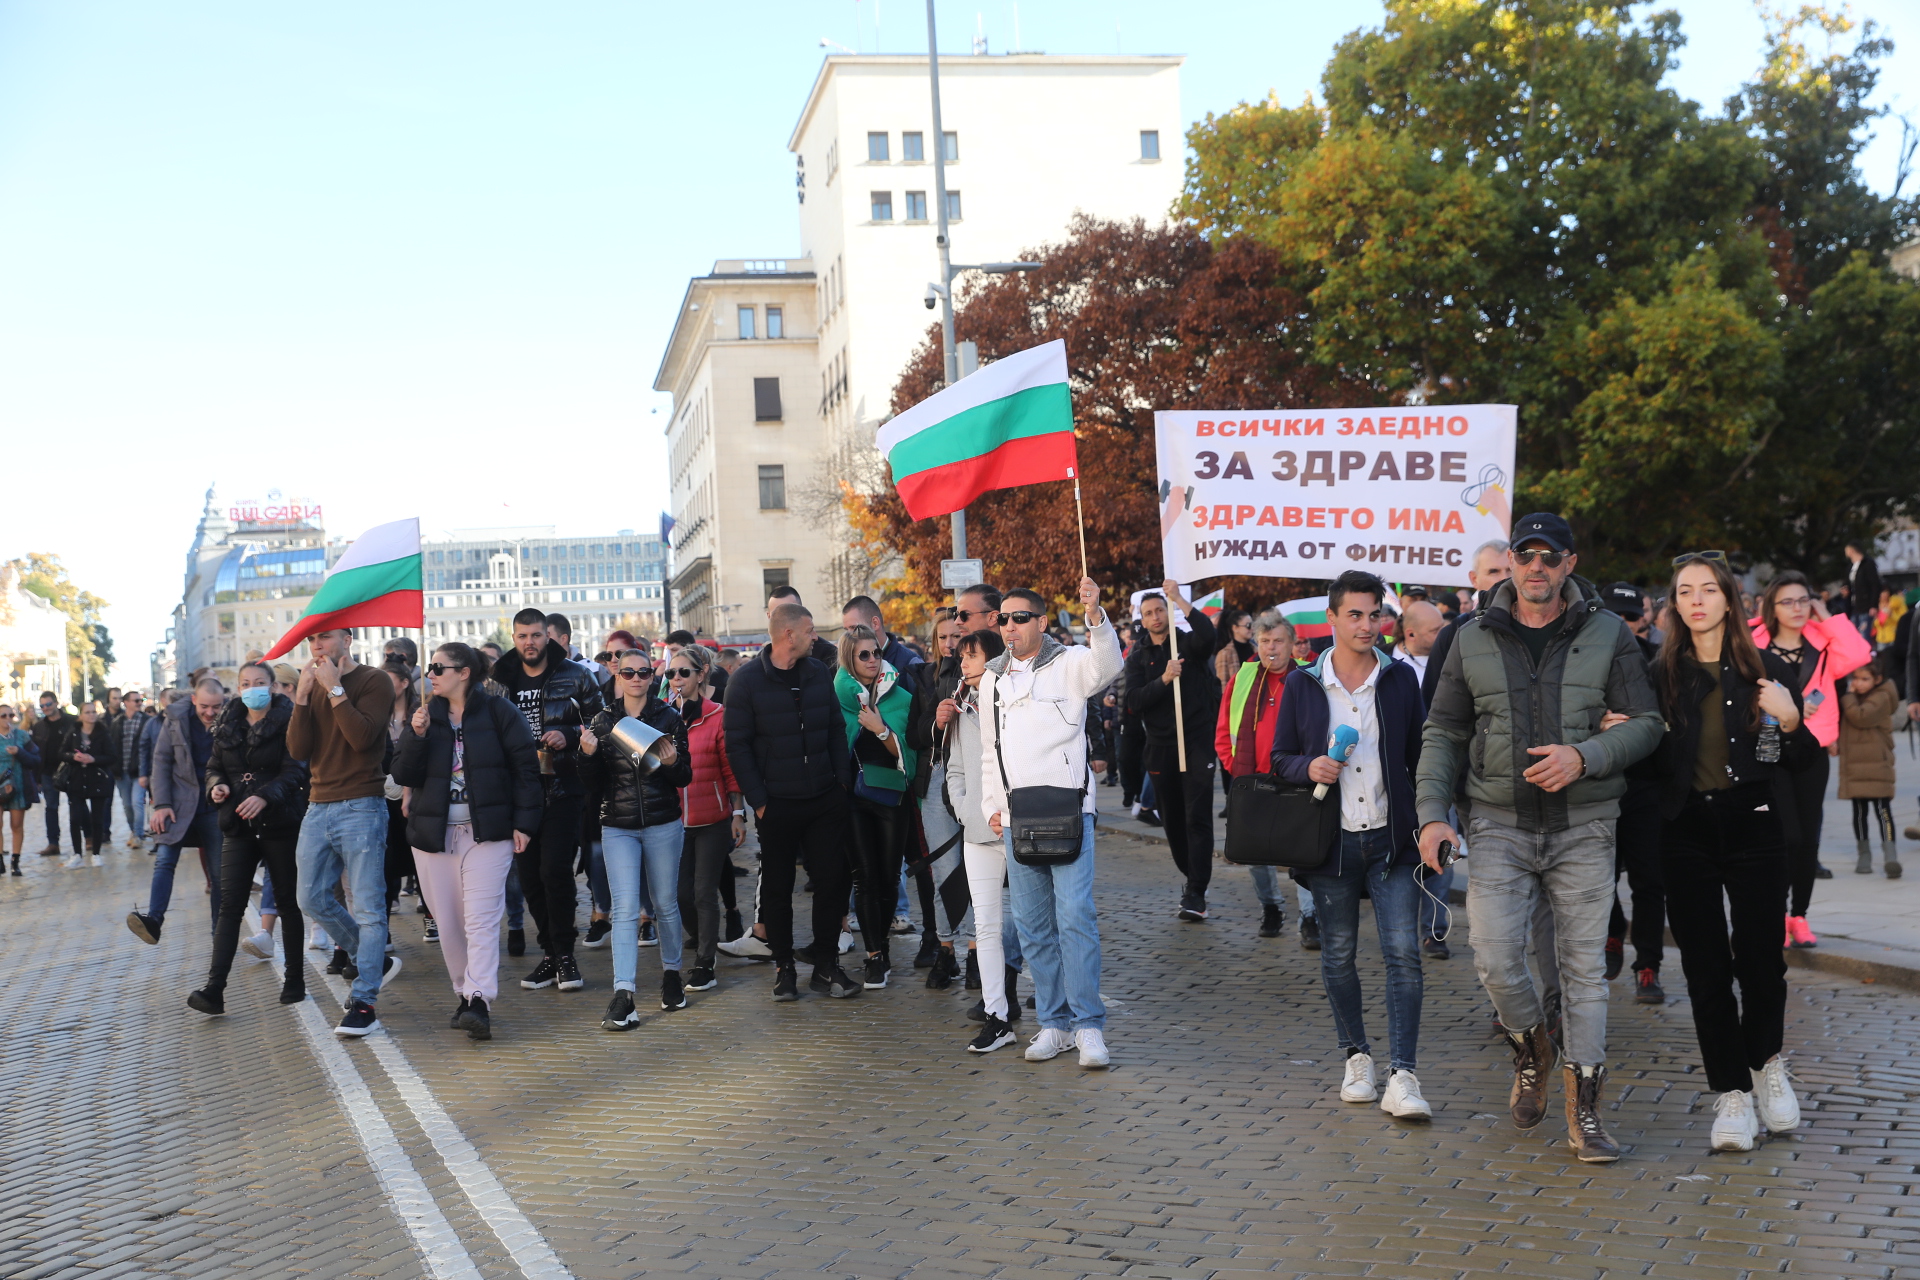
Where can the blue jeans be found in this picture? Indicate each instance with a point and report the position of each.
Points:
(1367, 857)
(1266, 887)
(202, 833)
(1053, 907)
(348, 837)
(133, 803)
(649, 856)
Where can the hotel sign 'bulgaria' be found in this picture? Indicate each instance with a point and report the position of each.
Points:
(276, 512)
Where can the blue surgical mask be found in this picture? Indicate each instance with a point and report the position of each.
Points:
(257, 697)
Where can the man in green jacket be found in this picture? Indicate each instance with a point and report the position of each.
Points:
(1514, 732)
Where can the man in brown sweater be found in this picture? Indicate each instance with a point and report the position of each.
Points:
(339, 727)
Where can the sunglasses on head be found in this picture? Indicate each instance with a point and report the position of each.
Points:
(635, 673)
(681, 673)
(1700, 557)
(1551, 559)
(441, 668)
(1021, 616)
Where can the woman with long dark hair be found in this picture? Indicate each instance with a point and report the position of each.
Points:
(1818, 652)
(262, 794)
(1733, 713)
(875, 706)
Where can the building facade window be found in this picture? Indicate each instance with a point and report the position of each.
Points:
(773, 488)
(776, 328)
(950, 146)
(912, 147)
(877, 146)
(746, 321)
(953, 206)
(766, 401)
(916, 206)
(1149, 144)
(881, 203)
(771, 579)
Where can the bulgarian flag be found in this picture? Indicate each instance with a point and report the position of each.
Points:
(1308, 616)
(376, 583)
(1010, 423)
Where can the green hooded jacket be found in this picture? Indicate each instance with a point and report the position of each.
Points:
(895, 704)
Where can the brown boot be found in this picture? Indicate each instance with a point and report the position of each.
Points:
(1532, 1060)
(1588, 1137)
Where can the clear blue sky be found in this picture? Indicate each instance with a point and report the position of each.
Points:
(387, 256)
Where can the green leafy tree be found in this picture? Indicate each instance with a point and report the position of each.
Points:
(43, 574)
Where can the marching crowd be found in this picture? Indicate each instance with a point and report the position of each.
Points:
(1556, 734)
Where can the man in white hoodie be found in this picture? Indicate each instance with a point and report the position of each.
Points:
(1033, 731)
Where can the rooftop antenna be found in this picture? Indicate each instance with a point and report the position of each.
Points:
(979, 34)
(833, 44)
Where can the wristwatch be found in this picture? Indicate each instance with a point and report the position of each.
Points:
(739, 813)
(338, 691)
(884, 734)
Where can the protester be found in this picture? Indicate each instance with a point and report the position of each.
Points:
(128, 729)
(1490, 566)
(641, 828)
(47, 733)
(1819, 651)
(339, 727)
(149, 739)
(261, 793)
(88, 754)
(1184, 796)
(874, 703)
(1637, 837)
(1863, 587)
(1886, 618)
(1547, 827)
(179, 820)
(1033, 706)
(558, 697)
(399, 850)
(19, 761)
(787, 748)
(474, 800)
(948, 906)
(714, 815)
(823, 651)
(1865, 748)
(1723, 845)
(1356, 685)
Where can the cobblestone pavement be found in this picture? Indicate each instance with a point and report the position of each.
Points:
(740, 1138)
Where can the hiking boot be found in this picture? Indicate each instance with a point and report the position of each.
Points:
(1590, 1141)
(1533, 1058)
(1271, 920)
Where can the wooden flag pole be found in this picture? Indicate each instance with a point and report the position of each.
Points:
(1080, 519)
(1179, 712)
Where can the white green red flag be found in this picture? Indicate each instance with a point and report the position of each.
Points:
(377, 583)
(1308, 616)
(1008, 424)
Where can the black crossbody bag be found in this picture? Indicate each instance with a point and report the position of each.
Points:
(1049, 823)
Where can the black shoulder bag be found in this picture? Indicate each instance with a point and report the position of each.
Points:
(1049, 823)
(1275, 823)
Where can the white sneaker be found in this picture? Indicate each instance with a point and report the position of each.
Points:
(1402, 1099)
(96, 860)
(747, 947)
(902, 925)
(71, 861)
(846, 942)
(259, 946)
(1050, 1043)
(1357, 1085)
(1736, 1128)
(1779, 1108)
(317, 940)
(1093, 1047)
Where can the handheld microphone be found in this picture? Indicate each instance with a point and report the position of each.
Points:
(1340, 745)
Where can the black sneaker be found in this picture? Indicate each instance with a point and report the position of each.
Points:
(877, 974)
(972, 980)
(568, 973)
(541, 977)
(785, 985)
(1013, 994)
(620, 1014)
(1616, 958)
(597, 931)
(516, 942)
(458, 1013)
(144, 927)
(1309, 933)
(929, 950)
(293, 992)
(477, 1021)
(341, 961)
(649, 936)
(360, 1020)
(832, 980)
(1822, 872)
(1647, 988)
(734, 927)
(700, 978)
(946, 967)
(431, 935)
(995, 1035)
(1436, 949)
(1272, 920)
(673, 992)
(211, 1003)
(1193, 906)
(1149, 817)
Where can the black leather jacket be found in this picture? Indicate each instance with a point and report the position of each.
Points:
(629, 800)
(570, 700)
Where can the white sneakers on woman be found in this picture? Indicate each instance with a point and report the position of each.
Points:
(1402, 1099)
(1779, 1108)
(1357, 1084)
(1736, 1127)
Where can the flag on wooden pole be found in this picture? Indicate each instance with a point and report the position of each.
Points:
(1009, 424)
(377, 583)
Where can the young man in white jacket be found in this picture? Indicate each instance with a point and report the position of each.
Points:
(1033, 733)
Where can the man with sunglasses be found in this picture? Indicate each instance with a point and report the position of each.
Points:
(1514, 727)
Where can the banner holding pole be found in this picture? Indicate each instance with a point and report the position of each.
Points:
(1407, 493)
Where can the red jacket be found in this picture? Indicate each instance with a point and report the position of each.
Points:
(1253, 753)
(708, 798)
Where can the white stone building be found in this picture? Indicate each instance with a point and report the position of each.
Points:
(33, 644)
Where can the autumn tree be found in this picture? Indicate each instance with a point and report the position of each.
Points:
(89, 647)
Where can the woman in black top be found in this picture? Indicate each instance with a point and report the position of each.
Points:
(88, 755)
(1723, 844)
(262, 794)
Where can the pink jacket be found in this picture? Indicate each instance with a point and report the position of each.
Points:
(1842, 650)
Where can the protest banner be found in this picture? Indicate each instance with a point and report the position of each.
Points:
(1406, 493)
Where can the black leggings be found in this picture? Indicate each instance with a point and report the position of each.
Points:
(1800, 795)
(879, 833)
(87, 820)
(1883, 811)
(705, 869)
(240, 852)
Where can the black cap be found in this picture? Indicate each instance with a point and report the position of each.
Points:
(1542, 526)
(1622, 598)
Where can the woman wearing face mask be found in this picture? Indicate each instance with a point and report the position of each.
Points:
(1723, 846)
(714, 811)
(875, 706)
(262, 795)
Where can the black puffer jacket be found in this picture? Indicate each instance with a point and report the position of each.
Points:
(252, 760)
(503, 773)
(628, 799)
(783, 743)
